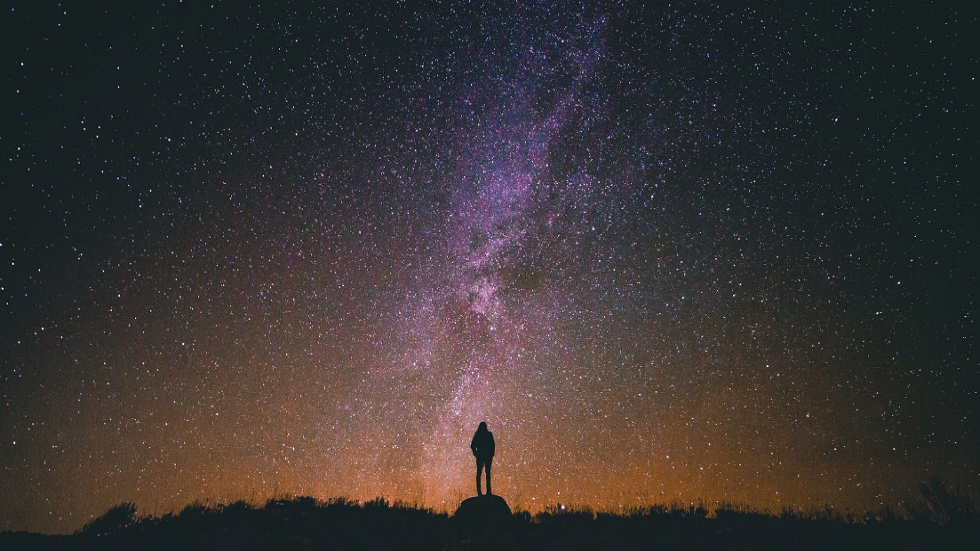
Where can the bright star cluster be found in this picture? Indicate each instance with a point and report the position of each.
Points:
(668, 251)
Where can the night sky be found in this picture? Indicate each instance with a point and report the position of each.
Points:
(667, 252)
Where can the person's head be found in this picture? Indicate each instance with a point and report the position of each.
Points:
(483, 426)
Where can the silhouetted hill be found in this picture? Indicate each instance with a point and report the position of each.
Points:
(306, 523)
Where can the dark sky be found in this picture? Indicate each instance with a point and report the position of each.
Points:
(667, 252)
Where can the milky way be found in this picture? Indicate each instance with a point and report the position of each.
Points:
(668, 253)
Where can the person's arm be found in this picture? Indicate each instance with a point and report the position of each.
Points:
(473, 445)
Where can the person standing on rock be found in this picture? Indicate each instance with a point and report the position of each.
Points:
(483, 448)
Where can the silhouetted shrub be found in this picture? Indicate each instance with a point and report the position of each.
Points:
(943, 505)
(886, 514)
(293, 503)
(237, 506)
(111, 521)
(377, 503)
(638, 511)
(815, 514)
(565, 513)
(195, 509)
(688, 510)
(341, 502)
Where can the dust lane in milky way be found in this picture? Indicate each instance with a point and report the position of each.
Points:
(667, 252)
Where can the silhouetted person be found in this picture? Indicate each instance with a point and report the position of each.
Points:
(483, 448)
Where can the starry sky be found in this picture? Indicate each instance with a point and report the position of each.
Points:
(667, 251)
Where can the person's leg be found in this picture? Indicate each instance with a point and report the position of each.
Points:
(479, 473)
(489, 463)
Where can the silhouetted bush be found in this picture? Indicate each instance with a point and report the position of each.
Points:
(377, 503)
(647, 511)
(113, 520)
(690, 510)
(293, 503)
(194, 509)
(815, 514)
(236, 507)
(341, 502)
(941, 504)
(565, 513)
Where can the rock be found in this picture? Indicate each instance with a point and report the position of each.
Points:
(483, 510)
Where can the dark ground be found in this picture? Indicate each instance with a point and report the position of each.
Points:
(305, 523)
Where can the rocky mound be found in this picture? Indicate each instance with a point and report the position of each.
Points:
(486, 509)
